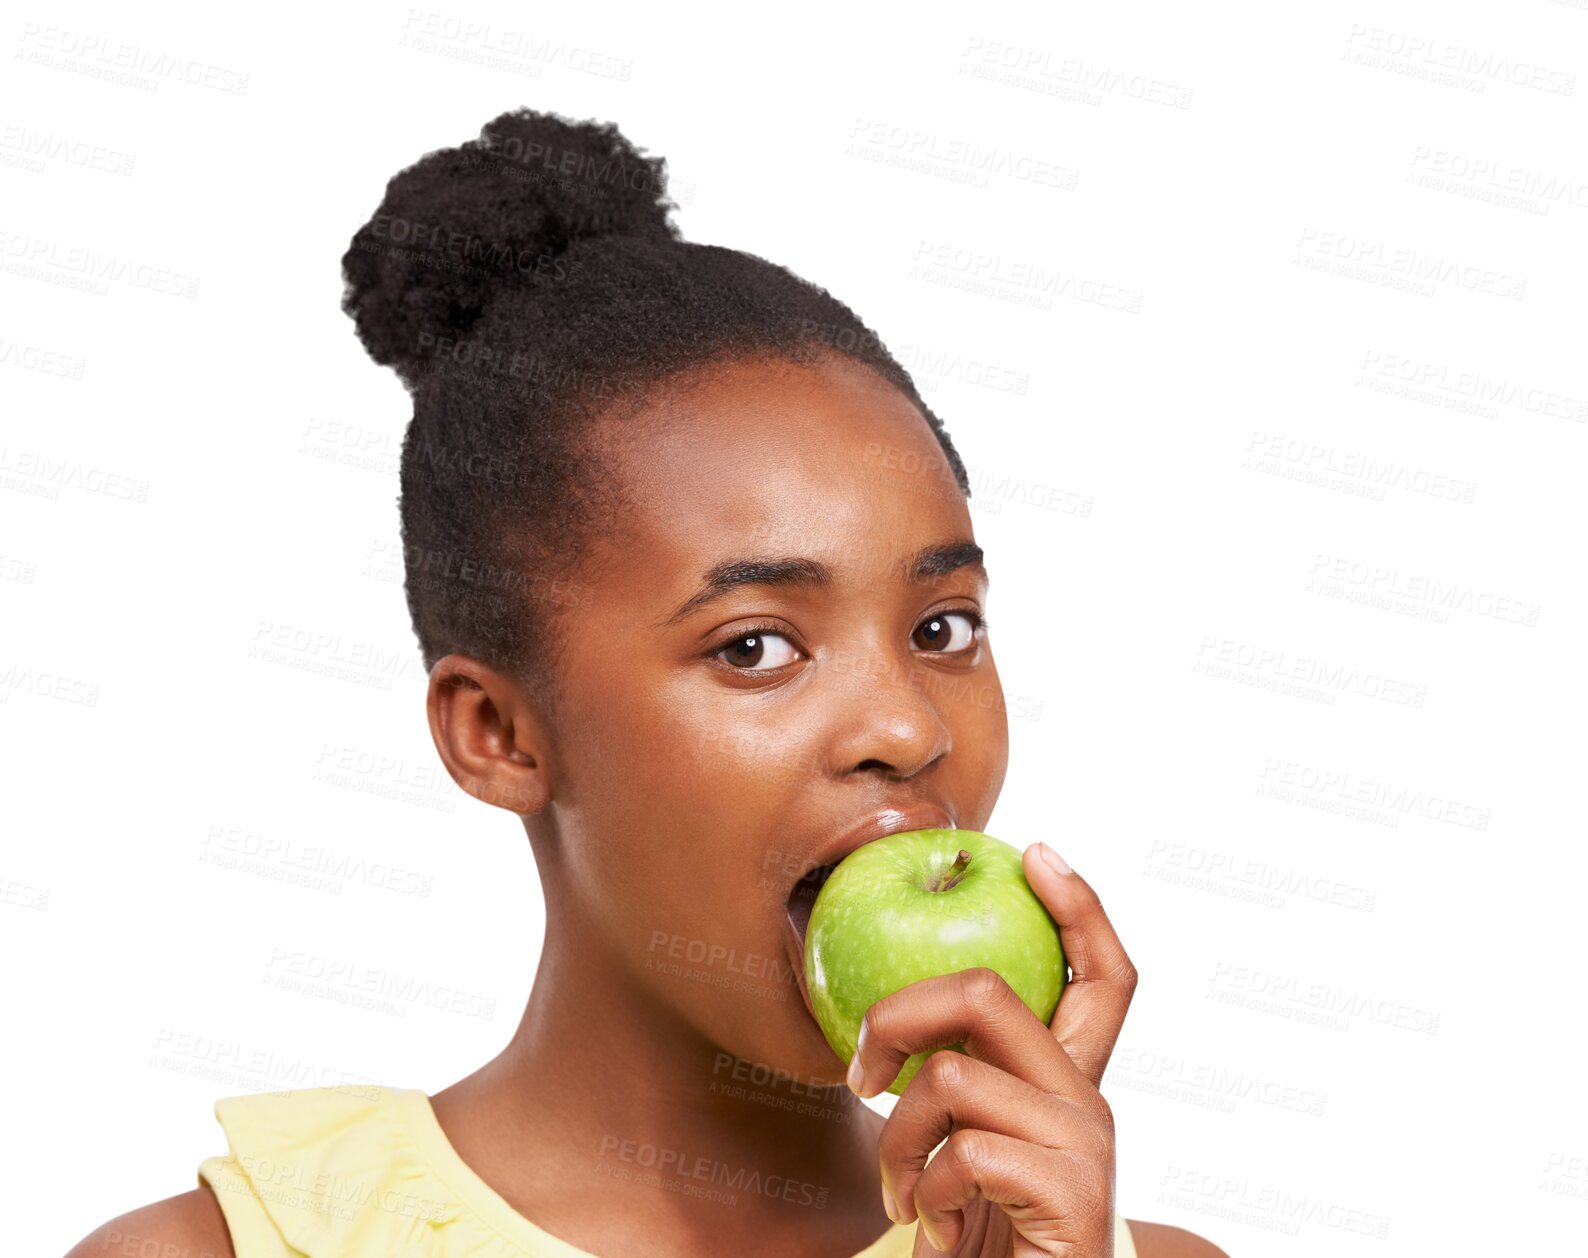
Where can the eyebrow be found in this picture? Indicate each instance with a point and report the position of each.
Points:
(927, 564)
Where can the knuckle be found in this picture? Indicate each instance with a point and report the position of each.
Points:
(967, 1148)
(943, 1070)
(983, 987)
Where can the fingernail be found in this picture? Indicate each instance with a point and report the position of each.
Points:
(889, 1205)
(856, 1078)
(1055, 861)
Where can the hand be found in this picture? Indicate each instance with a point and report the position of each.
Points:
(1028, 1166)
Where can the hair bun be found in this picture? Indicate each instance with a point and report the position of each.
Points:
(462, 223)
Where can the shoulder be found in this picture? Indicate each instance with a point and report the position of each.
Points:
(190, 1223)
(1160, 1240)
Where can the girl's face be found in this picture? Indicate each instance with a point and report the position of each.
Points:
(717, 741)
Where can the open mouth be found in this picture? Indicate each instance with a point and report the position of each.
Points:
(801, 900)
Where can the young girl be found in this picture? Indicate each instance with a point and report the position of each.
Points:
(690, 564)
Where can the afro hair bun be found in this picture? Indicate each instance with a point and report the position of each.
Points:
(461, 224)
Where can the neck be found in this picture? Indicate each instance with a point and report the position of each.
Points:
(605, 1096)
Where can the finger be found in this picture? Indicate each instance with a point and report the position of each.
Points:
(974, 1007)
(1050, 1201)
(1093, 1004)
(952, 1090)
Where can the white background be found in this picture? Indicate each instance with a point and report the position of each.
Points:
(1290, 554)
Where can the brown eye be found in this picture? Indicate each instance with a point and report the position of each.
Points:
(938, 634)
(750, 651)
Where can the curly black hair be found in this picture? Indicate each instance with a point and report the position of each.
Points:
(524, 285)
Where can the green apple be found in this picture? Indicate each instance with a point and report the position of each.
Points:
(921, 903)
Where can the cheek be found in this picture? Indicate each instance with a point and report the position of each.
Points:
(733, 751)
(985, 745)
(661, 771)
(973, 701)
(979, 721)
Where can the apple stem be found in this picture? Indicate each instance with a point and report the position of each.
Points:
(951, 877)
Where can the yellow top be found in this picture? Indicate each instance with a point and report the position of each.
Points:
(363, 1171)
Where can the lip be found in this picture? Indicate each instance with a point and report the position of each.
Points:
(892, 819)
(877, 824)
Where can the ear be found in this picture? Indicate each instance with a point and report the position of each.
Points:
(491, 739)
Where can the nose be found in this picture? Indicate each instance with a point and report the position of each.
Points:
(888, 725)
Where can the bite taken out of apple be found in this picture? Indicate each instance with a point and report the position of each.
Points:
(918, 904)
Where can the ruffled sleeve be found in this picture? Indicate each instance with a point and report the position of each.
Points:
(253, 1234)
(336, 1173)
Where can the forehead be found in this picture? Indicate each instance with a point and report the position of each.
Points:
(825, 460)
